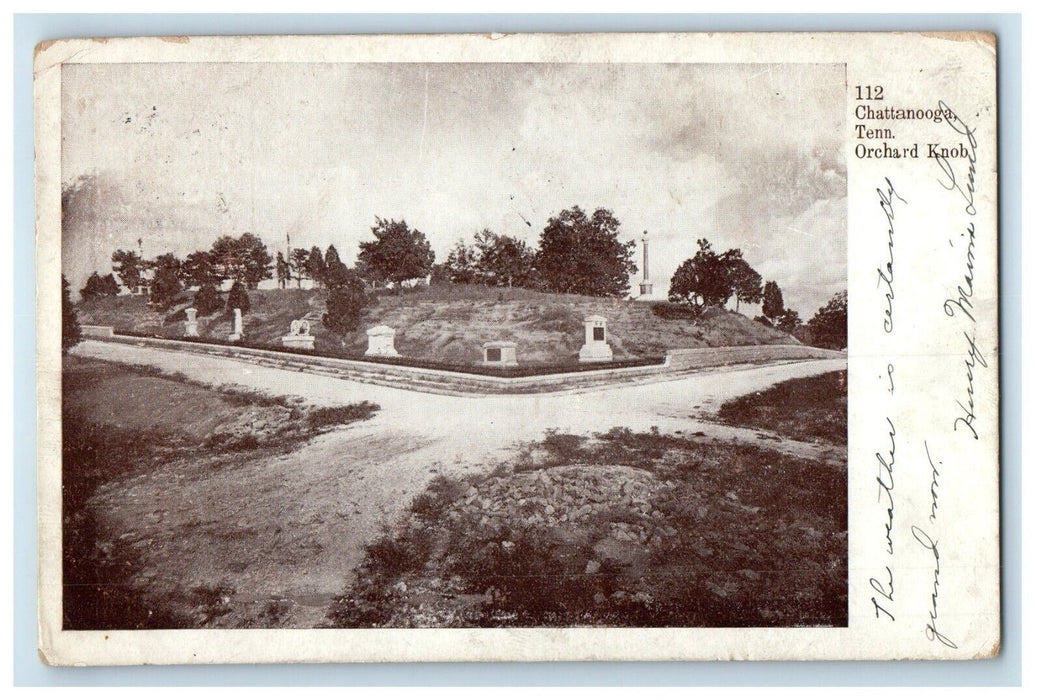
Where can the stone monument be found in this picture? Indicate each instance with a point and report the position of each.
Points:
(596, 348)
(381, 342)
(236, 326)
(499, 353)
(299, 337)
(191, 325)
(645, 286)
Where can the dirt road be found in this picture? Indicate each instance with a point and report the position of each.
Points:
(336, 492)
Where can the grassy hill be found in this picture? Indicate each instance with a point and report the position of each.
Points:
(449, 323)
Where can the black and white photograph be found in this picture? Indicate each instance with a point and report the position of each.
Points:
(453, 345)
(517, 348)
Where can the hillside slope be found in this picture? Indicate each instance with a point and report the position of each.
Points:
(449, 324)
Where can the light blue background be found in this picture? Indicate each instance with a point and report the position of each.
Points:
(28, 670)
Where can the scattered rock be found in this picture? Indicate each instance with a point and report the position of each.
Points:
(593, 566)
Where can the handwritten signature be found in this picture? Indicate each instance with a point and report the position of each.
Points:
(950, 182)
(974, 357)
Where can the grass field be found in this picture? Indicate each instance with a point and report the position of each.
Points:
(621, 529)
(812, 408)
(152, 467)
(449, 323)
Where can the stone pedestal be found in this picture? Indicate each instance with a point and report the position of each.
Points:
(381, 342)
(191, 325)
(236, 326)
(596, 348)
(299, 337)
(499, 353)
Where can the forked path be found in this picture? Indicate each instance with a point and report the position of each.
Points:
(334, 494)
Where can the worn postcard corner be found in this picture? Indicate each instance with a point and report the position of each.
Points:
(568, 347)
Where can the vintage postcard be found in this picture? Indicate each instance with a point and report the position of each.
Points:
(517, 347)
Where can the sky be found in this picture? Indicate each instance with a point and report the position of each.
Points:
(749, 156)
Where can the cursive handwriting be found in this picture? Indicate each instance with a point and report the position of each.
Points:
(886, 590)
(885, 484)
(934, 483)
(885, 274)
(965, 294)
(974, 357)
(950, 182)
(932, 632)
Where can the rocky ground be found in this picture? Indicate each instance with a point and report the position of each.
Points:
(632, 529)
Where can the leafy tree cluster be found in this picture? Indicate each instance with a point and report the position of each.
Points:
(580, 254)
(492, 259)
(398, 254)
(711, 279)
(244, 260)
(577, 254)
(775, 314)
(98, 286)
(828, 327)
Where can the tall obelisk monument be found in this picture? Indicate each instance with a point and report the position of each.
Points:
(645, 286)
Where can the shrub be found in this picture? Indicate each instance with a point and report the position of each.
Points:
(98, 286)
(344, 305)
(674, 311)
(166, 281)
(207, 300)
(238, 298)
(71, 333)
(341, 415)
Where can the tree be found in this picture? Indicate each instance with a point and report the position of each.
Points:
(344, 304)
(207, 300)
(166, 280)
(198, 270)
(316, 265)
(98, 286)
(773, 302)
(583, 255)
(702, 280)
(129, 267)
(745, 282)
(337, 274)
(244, 259)
(828, 327)
(461, 265)
(298, 264)
(238, 298)
(503, 261)
(399, 253)
(281, 270)
(789, 322)
(71, 333)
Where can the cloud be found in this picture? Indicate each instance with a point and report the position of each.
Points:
(187, 152)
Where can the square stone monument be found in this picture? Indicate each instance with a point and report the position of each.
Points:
(299, 337)
(596, 348)
(191, 325)
(499, 353)
(381, 342)
(236, 326)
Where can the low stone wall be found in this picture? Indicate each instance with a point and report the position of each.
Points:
(97, 331)
(403, 376)
(696, 358)
(448, 382)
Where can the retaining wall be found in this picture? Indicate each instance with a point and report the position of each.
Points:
(448, 382)
(697, 358)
